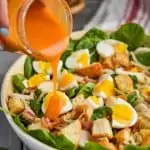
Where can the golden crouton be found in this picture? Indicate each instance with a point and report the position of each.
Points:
(105, 143)
(102, 128)
(108, 63)
(124, 137)
(121, 59)
(145, 133)
(15, 105)
(124, 83)
(92, 71)
(73, 132)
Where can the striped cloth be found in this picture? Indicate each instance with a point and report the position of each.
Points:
(112, 13)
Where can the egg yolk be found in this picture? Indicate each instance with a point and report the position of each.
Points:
(120, 48)
(146, 92)
(94, 99)
(83, 60)
(122, 113)
(44, 66)
(36, 80)
(58, 99)
(66, 79)
(105, 86)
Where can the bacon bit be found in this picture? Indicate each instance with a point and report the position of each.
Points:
(46, 123)
(28, 115)
(87, 125)
(147, 100)
(92, 71)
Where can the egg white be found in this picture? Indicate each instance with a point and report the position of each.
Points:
(71, 61)
(70, 85)
(94, 105)
(46, 86)
(38, 69)
(106, 48)
(116, 100)
(102, 94)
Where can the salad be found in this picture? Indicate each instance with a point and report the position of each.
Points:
(104, 83)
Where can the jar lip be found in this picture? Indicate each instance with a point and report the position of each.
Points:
(21, 23)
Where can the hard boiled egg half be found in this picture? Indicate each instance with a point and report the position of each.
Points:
(107, 48)
(95, 102)
(67, 80)
(67, 104)
(42, 67)
(37, 79)
(105, 87)
(78, 59)
(124, 115)
(46, 86)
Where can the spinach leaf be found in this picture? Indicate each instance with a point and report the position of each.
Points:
(143, 58)
(36, 107)
(147, 41)
(135, 81)
(86, 89)
(134, 98)
(43, 136)
(84, 43)
(28, 67)
(90, 39)
(60, 142)
(63, 143)
(72, 45)
(17, 82)
(101, 112)
(133, 147)
(132, 34)
(94, 57)
(96, 35)
(92, 146)
(72, 92)
(17, 120)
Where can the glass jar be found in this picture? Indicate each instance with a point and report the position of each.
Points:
(17, 10)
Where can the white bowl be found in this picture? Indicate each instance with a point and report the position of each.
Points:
(17, 67)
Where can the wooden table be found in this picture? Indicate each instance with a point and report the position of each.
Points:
(8, 138)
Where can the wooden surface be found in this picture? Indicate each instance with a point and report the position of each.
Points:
(8, 138)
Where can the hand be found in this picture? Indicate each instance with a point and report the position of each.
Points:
(3, 18)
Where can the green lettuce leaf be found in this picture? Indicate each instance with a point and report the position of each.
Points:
(101, 112)
(131, 34)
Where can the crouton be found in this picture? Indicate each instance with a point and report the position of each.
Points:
(102, 128)
(108, 63)
(124, 83)
(78, 100)
(36, 125)
(121, 59)
(145, 133)
(15, 105)
(92, 71)
(105, 143)
(72, 132)
(124, 137)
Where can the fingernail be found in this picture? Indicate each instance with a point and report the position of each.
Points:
(4, 31)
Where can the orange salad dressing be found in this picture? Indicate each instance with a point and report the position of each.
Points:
(46, 33)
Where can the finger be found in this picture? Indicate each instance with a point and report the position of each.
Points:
(3, 17)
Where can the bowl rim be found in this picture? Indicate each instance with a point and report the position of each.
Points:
(6, 90)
